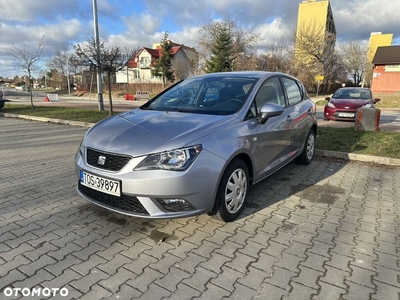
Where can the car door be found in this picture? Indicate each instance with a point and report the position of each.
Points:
(273, 138)
(298, 113)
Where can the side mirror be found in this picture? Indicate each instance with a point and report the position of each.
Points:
(328, 98)
(269, 110)
(376, 100)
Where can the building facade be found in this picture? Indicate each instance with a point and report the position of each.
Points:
(377, 39)
(315, 36)
(139, 68)
(386, 70)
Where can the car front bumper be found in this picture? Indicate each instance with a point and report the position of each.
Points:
(340, 114)
(145, 193)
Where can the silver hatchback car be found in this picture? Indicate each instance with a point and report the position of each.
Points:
(198, 146)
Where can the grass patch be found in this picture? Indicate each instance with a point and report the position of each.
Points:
(348, 140)
(361, 142)
(64, 113)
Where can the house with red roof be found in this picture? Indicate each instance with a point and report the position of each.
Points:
(139, 68)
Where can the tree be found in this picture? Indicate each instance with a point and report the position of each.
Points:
(242, 53)
(107, 60)
(315, 51)
(353, 54)
(163, 66)
(28, 58)
(221, 58)
(278, 57)
(64, 62)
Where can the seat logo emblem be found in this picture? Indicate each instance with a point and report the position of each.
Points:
(101, 161)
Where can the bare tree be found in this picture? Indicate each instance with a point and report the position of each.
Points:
(64, 62)
(353, 54)
(279, 57)
(315, 51)
(242, 42)
(107, 60)
(28, 58)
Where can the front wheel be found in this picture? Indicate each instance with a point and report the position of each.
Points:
(232, 192)
(307, 154)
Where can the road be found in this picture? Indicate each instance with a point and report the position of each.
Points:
(329, 230)
(389, 119)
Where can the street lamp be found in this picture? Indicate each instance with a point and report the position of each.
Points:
(96, 37)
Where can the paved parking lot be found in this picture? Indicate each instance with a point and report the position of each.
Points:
(329, 230)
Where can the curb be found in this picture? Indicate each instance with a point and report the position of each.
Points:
(323, 153)
(358, 157)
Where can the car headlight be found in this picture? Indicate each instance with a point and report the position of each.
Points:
(369, 105)
(82, 148)
(331, 105)
(174, 160)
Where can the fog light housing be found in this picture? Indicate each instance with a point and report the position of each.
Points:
(176, 204)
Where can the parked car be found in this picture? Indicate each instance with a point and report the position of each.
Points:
(346, 101)
(198, 151)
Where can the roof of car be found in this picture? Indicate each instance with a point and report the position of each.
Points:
(254, 74)
(353, 88)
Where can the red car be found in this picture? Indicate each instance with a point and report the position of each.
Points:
(345, 101)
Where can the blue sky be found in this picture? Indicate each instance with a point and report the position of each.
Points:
(138, 23)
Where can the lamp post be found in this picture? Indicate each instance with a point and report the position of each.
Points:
(96, 37)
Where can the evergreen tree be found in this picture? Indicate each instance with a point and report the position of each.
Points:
(163, 66)
(221, 59)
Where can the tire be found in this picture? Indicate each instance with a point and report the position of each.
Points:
(307, 154)
(232, 192)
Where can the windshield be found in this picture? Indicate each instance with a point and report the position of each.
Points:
(357, 94)
(205, 95)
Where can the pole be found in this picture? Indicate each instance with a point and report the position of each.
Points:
(96, 37)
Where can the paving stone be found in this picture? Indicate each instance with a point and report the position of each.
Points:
(138, 266)
(190, 262)
(85, 283)
(200, 278)
(243, 293)
(116, 282)
(357, 292)
(31, 268)
(143, 281)
(155, 292)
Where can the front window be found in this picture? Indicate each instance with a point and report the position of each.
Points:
(354, 93)
(215, 95)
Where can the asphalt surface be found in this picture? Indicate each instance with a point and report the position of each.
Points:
(329, 230)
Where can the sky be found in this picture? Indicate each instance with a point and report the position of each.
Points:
(141, 23)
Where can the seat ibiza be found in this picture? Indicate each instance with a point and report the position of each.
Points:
(198, 146)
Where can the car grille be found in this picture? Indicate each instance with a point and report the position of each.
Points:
(127, 204)
(113, 162)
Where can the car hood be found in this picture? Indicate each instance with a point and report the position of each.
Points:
(140, 132)
(349, 103)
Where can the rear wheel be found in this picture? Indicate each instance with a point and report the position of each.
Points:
(307, 154)
(232, 192)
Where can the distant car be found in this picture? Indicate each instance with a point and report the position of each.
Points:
(346, 101)
(198, 146)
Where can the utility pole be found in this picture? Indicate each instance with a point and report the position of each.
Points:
(96, 37)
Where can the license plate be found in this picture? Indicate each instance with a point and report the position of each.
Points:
(346, 115)
(105, 185)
